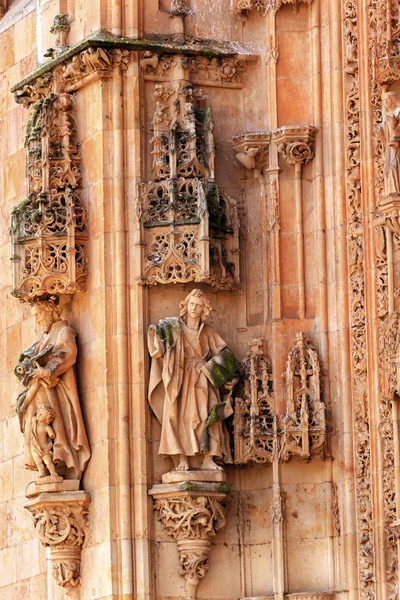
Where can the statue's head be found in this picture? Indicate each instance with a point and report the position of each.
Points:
(196, 305)
(391, 100)
(46, 313)
(45, 414)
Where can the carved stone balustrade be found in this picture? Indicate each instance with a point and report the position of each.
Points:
(260, 434)
(192, 513)
(238, 6)
(61, 524)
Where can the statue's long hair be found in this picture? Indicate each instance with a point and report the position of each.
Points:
(49, 307)
(184, 305)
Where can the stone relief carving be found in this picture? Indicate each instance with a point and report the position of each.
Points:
(296, 143)
(189, 227)
(238, 6)
(384, 69)
(304, 424)
(190, 363)
(384, 50)
(389, 134)
(49, 239)
(60, 29)
(221, 72)
(192, 519)
(255, 421)
(61, 524)
(49, 228)
(355, 237)
(49, 409)
(261, 435)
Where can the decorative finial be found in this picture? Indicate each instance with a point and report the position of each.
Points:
(60, 30)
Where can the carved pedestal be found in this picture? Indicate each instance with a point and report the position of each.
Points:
(60, 520)
(192, 512)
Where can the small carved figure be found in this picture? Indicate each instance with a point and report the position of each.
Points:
(42, 440)
(389, 134)
(46, 369)
(190, 363)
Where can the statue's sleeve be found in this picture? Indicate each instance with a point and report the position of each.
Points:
(216, 342)
(155, 343)
(63, 356)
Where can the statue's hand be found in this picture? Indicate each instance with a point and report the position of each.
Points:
(229, 385)
(40, 373)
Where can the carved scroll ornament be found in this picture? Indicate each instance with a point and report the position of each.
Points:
(260, 434)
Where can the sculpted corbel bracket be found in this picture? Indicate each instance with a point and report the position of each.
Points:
(295, 143)
(264, 6)
(191, 514)
(252, 151)
(61, 524)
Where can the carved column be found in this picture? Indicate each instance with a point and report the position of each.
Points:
(192, 513)
(296, 145)
(252, 151)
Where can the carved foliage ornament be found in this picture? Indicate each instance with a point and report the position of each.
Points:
(238, 6)
(192, 519)
(355, 246)
(384, 57)
(61, 523)
(228, 71)
(260, 434)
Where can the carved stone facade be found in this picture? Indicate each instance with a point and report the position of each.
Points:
(235, 164)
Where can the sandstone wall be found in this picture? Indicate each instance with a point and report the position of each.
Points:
(127, 553)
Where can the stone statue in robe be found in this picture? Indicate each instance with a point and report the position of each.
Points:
(389, 134)
(190, 362)
(46, 370)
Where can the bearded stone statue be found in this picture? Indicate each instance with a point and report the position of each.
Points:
(46, 370)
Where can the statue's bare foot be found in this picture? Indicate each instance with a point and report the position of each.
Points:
(210, 465)
(183, 464)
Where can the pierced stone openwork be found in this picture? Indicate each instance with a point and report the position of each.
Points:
(238, 6)
(260, 434)
(190, 228)
(49, 227)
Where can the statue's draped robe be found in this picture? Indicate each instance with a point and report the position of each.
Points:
(181, 395)
(71, 447)
(392, 154)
